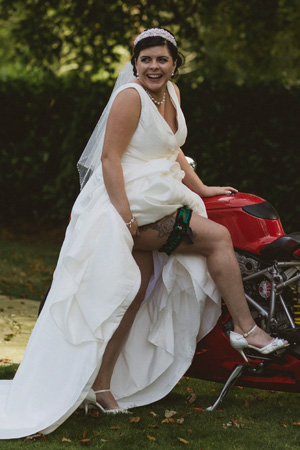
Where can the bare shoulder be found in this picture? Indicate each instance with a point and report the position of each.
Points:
(129, 95)
(176, 90)
(127, 103)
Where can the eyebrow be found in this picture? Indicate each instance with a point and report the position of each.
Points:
(159, 56)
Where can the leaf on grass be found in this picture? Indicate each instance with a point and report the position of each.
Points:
(232, 423)
(191, 398)
(5, 361)
(151, 438)
(84, 434)
(94, 412)
(169, 413)
(184, 441)
(180, 421)
(235, 423)
(197, 409)
(114, 428)
(154, 414)
(134, 419)
(284, 425)
(296, 423)
(35, 437)
(246, 402)
(8, 337)
(153, 426)
(84, 442)
(168, 420)
(65, 440)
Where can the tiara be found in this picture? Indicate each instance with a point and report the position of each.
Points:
(155, 32)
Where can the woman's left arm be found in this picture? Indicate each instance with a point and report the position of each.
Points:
(194, 183)
(191, 179)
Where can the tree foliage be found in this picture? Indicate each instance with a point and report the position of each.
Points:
(240, 94)
(243, 136)
(224, 40)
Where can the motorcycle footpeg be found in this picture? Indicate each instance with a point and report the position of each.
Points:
(269, 357)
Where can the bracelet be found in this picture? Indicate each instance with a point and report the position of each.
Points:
(128, 224)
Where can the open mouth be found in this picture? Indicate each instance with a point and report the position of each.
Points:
(154, 76)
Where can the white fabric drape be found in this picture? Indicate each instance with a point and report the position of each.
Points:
(95, 281)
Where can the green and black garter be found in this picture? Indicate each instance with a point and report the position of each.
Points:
(181, 231)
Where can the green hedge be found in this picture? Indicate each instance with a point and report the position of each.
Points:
(247, 137)
(44, 129)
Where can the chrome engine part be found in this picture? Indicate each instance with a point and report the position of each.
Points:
(273, 292)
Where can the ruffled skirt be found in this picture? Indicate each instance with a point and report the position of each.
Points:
(94, 283)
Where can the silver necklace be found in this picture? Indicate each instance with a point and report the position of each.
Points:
(156, 101)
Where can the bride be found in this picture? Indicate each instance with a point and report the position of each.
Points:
(141, 270)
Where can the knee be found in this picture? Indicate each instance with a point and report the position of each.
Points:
(223, 237)
(217, 241)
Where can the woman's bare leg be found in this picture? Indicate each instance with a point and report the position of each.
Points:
(214, 242)
(144, 260)
(210, 240)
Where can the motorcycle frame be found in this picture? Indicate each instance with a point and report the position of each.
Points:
(275, 277)
(215, 359)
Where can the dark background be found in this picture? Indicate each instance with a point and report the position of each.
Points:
(239, 87)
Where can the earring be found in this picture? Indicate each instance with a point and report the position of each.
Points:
(137, 75)
(173, 73)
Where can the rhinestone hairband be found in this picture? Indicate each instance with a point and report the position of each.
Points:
(156, 32)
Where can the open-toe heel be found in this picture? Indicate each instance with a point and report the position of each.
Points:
(91, 400)
(239, 343)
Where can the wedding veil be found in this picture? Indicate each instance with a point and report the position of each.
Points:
(91, 156)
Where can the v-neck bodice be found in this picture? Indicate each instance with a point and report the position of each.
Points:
(153, 138)
(175, 105)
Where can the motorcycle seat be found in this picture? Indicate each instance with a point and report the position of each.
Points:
(282, 248)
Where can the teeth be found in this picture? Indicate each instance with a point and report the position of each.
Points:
(154, 76)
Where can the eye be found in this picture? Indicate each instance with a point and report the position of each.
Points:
(163, 59)
(145, 59)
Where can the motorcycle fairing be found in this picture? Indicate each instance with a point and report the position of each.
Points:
(262, 210)
(251, 222)
(282, 248)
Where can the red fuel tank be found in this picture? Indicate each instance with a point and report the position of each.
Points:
(252, 222)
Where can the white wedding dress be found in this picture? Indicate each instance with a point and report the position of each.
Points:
(95, 281)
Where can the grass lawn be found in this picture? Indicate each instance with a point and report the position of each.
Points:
(27, 264)
(248, 419)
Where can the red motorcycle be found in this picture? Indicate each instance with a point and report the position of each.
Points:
(269, 261)
(270, 266)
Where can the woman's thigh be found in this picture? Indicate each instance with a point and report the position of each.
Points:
(206, 235)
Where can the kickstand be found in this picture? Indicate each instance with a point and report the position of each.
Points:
(235, 375)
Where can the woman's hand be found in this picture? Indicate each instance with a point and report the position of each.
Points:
(211, 191)
(195, 184)
(133, 227)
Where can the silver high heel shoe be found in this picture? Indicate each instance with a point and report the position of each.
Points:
(239, 343)
(91, 400)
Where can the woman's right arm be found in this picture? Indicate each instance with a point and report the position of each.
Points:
(121, 125)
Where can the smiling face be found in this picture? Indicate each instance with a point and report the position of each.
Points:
(155, 66)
